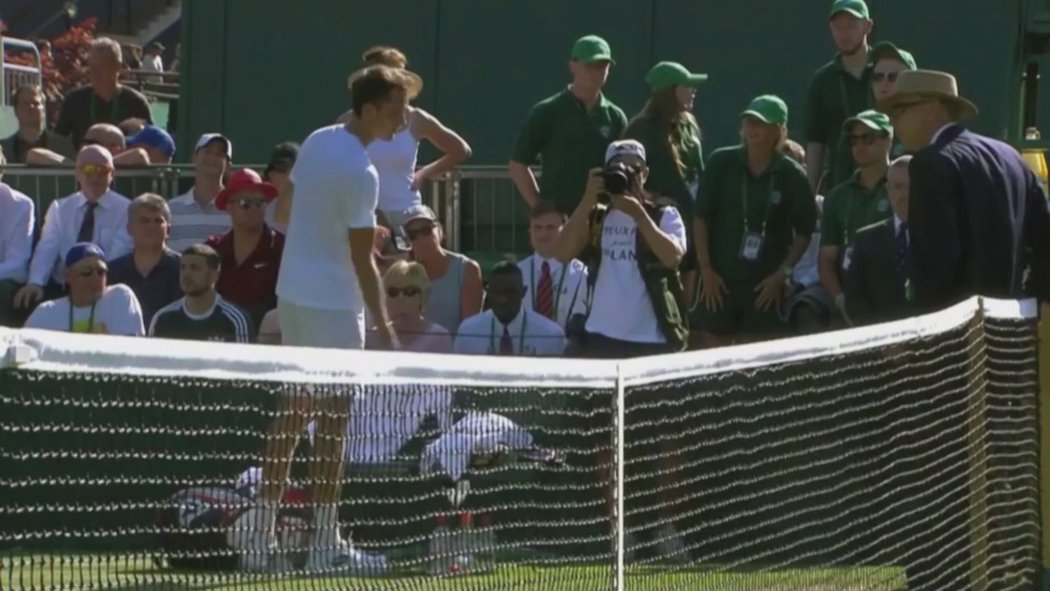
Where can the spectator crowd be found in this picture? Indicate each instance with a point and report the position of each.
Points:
(642, 244)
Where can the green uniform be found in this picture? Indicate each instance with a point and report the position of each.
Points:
(834, 96)
(849, 207)
(569, 141)
(665, 179)
(772, 208)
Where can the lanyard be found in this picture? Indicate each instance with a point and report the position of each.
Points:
(557, 293)
(744, 198)
(112, 108)
(91, 317)
(521, 337)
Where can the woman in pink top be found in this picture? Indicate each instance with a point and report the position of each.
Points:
(407, 286)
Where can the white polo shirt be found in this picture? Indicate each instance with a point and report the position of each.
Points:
(568, 283)
(336, 190)
(620, 306)
(530, 334)
(118, 309)
(193, 223)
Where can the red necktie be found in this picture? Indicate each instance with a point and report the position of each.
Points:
(545, 293)
(506, 345)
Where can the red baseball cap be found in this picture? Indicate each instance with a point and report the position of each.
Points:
(245, 179)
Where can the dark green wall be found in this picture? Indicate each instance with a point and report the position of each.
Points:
(262, 71)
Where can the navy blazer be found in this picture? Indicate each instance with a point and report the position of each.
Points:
(978, 217)
(874, 286)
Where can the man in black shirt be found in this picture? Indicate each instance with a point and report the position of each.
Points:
(32, 131)
(105, 100)
(202, 315)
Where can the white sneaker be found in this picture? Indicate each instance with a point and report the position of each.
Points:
(342, 558)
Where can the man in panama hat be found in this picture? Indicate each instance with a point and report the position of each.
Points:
(977, 215)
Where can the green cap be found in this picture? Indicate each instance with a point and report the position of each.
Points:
(885, 49)
(768, 108)
(666, 74)
(591, 48)
(855, 7)
(871, 119)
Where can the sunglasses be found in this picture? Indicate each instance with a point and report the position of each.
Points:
(887, 76)
(418, 231)
(248, 203)
(865, 138)
(408, 292)
(96, 272)
(96, 169)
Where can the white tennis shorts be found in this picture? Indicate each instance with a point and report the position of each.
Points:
(302, 326)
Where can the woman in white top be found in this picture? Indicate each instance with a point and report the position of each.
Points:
(395, 160)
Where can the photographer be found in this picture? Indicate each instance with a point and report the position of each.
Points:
(632, 245)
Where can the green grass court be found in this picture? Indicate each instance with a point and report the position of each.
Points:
(134, 573)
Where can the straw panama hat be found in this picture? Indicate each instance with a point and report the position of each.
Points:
(928, 84)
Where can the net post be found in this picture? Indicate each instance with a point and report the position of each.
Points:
(977, 414)
(619, 402)
(17, 355)
(1043, 352)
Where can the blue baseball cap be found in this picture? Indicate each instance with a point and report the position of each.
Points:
(83, 250)
(154, 137)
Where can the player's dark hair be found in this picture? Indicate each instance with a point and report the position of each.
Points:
(203, 250)
(374, 85)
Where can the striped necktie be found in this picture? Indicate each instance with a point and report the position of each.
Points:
(545, 292)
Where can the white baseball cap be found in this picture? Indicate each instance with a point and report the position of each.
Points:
(624, 148)
(211, 137)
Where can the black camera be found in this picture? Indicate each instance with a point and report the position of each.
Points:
(617, 177)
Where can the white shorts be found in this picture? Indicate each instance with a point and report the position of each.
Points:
(302, 326)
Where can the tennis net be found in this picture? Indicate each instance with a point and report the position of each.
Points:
(903, 455)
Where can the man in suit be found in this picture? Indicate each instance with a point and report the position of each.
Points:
(978, 214)
(875, 278)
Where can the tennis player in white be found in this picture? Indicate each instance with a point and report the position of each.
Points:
(327, 278)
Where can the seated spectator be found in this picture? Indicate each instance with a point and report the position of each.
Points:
(407, 289)
(153, 62)
(95, 214)
(105, 100)
(508, 327)
(91, 306)
(203, 314)
(158, 144)
(30, 110)
(455, 280)
(16, 246)
(278, 174)
(151, 269)
(194, 216)
(875, 280)
(807, 306)
(251, 250)
(102, 134)
(556, 291)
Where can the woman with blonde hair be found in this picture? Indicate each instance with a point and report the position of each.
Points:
(406, 286)
(400, 182)
(754, 219)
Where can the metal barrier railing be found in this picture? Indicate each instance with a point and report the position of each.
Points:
(479, 207)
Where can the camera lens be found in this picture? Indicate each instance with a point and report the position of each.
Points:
(617, 178)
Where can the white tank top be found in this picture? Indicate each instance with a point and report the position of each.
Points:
(395, 160)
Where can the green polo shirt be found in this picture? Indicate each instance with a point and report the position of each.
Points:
(664, 176)
(834, 96)
(778, 200)
(849, 207)
(567, 140)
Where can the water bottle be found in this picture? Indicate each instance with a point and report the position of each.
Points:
(440, 553)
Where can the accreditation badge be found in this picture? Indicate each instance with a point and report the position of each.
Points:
(751, 247)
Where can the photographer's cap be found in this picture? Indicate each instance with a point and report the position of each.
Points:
(871, 119)
(624, 148)
(769, 109)
(665, 74)
(592, 48)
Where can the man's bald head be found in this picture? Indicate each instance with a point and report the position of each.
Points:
(97, 155)
(107, 135)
